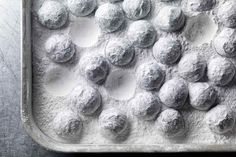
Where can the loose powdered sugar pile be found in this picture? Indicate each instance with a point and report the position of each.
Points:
(53, 83)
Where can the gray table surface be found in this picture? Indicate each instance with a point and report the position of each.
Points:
(14, 142)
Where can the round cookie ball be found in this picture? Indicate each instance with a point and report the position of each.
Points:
(174, 93)
(146, 106)
(142, 34)
(109, 17)
(225, 43)
(86, 99)
(171, 123)
(137, 9)
(81, 7)
(52, 14)
(67, 125)
(120, 51)
(149, 76)
(192, 67)
(201, 5)
(202, 96)
(170, 19)
(60, 48)
(167, 50)
(95, 68)
(227, 13)
(220, 119)
(113, 124)
(220, 71)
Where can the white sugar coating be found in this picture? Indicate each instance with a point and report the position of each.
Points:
(201, 5)
(174, 93)
(220, 71)
(109, 17)
(52, 14)
(68, 125)
(113, 124)
(225, 43)
(171, 123)
(167, 50)
(200, 29)
(192, 67)
(227, 13)
(142, 34)
(81, 7)
(94, 67)
(137, 9)
(59, 48)
(150, 76)
(120, 51)
(170, 19)
(86, 99)
(202, 96)
(146, 106)
(220, 119)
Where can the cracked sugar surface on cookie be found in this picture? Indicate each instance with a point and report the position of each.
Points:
(81, 7)
(86, 99)
(68, 125)
(170, 19)
(94, 67)
(142, 34)
(150, 76)
(120, 51)
(171, 123)
(192, 67)
(220, 71)
(52, 14)
(167, 50)
(60, 48)
(109, 17)
(174, 93)
(202, 96)
(146, 106)
(201, 5)
(137, 9)
(225, 43)
(220, 119)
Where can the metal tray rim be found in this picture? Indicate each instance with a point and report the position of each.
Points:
(39, 137)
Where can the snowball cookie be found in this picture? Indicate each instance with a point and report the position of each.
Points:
(170, 19)
(167, 50)
(220, 71)
(149, 76)
(146, 105)
(220, 119)
(120, 51)
(109, 17)
(201, 5)
(86, 99)
(137, 9)
(113, 124)
(225, 43)
(202, 96)
(59, 48)
(192, 67)
(67, 125)
(171, 123)
(174, 93)
(94, 67)
(52, 14)
(227, 13)
(81, 7)
(142, 34)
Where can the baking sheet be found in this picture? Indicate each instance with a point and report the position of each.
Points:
(134, 143)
